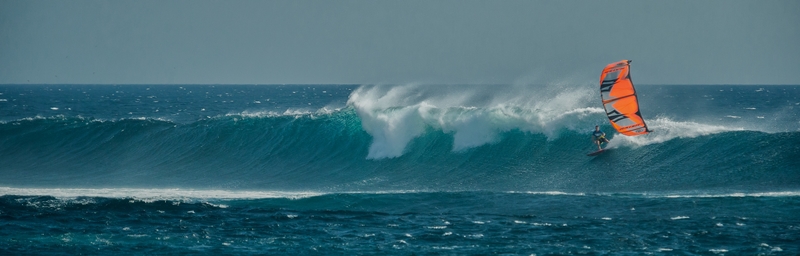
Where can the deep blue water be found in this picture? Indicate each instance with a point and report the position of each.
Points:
(403, 169)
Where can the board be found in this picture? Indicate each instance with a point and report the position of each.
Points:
(596, 152)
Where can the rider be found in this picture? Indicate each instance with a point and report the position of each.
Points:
(599, 137)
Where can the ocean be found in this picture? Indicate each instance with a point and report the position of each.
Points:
(396, 169)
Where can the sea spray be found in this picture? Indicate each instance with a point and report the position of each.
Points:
(474, 115)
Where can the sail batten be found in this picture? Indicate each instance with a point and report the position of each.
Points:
(620, 100)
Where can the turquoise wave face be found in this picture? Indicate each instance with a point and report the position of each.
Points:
(331, 152)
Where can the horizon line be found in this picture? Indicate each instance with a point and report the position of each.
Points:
(270, 84)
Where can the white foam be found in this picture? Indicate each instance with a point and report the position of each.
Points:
(476, 236)
(738, 194)
(552, 193)
(261, 114)
(188, 194)
(665, 129)
(475, 115)
(288, 112)
(436, 227)
(153, 194)
(718, 251)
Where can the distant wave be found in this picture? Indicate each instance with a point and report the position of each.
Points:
(154, 194)
(192, 195)
(195, 195)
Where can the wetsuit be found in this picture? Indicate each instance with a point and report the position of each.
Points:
(600, 136)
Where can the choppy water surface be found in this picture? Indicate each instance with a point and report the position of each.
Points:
(404, 169)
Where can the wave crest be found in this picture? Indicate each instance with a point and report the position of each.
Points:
(474, 115)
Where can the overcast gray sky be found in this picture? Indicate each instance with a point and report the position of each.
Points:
(453, 42)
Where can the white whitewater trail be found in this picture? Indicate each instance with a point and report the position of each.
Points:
(665, 129)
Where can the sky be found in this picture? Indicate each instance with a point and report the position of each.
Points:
(396, 42)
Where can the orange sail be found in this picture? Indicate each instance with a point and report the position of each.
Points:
(619, 99)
